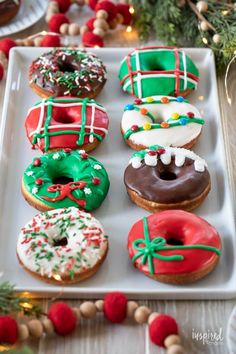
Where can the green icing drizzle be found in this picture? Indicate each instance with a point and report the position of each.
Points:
(82, 133)
(82, 191)
(151, 248)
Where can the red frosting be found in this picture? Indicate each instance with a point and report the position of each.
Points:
(179, 225)
(63, 119)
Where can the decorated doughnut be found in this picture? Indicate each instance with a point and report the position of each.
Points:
(167, 178)
(158, 71)
(167, 121)
(174, 246)
(8, 10)
(65, 178)
(63, 72)
(66, 122)
(62, 246)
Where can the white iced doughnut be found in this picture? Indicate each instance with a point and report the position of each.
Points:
(162, 120)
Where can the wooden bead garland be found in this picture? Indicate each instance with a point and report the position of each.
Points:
(62, 319)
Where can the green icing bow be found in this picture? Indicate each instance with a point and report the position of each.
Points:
(152, 247)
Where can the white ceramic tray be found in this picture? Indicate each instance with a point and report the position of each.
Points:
(30, 12)
(117, 212)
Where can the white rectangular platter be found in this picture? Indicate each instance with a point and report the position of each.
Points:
(117, 213)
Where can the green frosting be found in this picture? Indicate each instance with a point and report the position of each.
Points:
(85, 180)
(156, 61)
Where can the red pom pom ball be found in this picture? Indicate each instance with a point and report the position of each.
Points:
(63, 318)
(1, 71)
(92, 4)
(109, 7)
(123, 9)
(8, 330)
(115, 305)
(90, 39)
(161, 327)
(90, 23)
(6, 44)
(64, 5)
(56, 21)
(51, 40)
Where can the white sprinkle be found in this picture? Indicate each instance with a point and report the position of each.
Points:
(56, 156)
(87, 191)
(30, 173)
(35, 190)
(97, 167)
(81, 151)
(199, 165)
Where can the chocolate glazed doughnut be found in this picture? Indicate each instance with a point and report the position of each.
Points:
(8, 10)
(171, 178)
(67, 72)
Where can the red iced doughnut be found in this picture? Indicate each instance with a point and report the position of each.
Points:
(66, 122)
(174, 246)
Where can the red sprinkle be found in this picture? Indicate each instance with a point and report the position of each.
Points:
(137, 101)
(67, 150)
(96, 180)
(39, 181)
(84, 155)
(37, 162)
(190, 114)
(161, 151)
(152, 153)
(134, 128)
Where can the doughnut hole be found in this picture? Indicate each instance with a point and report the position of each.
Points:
(174, 241)
(67, 67)
(63, 116)
(167, 176)
(60, 242)
(62, 180)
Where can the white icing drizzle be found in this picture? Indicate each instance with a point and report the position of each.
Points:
(86, 243)
(180, 155)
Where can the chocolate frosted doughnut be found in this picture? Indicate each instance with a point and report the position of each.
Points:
(64, 71)
(8, 10)
(158, 179)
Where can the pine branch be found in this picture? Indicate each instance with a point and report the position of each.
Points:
(10, 303)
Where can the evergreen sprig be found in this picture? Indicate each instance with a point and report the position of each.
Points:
(175, 23)
(11, 303)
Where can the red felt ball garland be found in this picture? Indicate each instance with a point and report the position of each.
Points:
(62, 319)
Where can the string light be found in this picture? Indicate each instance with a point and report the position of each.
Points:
(129, 29)
(57, 277)
(27, 305)
(131, 10)
(205, 41)
(225, 12)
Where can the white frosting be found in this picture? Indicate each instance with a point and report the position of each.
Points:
(86, 243)
(174, 136)
(180, 155)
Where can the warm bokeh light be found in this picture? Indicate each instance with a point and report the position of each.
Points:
(205, 41)
(131, 10)
(57, 276)
(129, 29)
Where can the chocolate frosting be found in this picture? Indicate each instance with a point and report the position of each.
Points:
(68, 72)
(8, 5)
(151, 182)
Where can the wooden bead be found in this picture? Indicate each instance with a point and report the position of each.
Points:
(64, 28)
(83, 29)
(176, 349)
(216, 38)
(99, 305)
(204, 26)
(74, 29)
(23, 332)
(102, 14)
(28, 42)
(2, 56)
(202, 6)
(47, 326)
(141, 314)
(77, 313)
(171, 340)
(19, 42)
(53, 7)
(101, 23)
(88, 309)
(99, 32)
(37, 41)
(113, 24)
(152, 317)
(131, 308)
(35, 328)
(119, 18)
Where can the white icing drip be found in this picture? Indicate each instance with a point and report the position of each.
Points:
(81, 243)
(150, 160)
(136, 162)
(174, 136)
(179, 160)
(139, 76)
(185, 70)
(91, 137)
(180, 155)
(166, 158)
